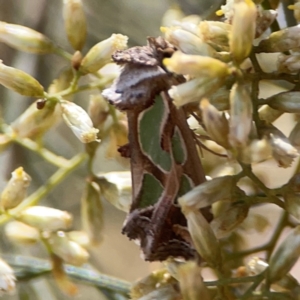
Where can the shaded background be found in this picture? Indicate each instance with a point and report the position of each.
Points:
(136, 19)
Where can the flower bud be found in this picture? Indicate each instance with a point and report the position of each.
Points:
(75, 23)
(174, 13)
(243, 30)
(34, 122)
(220, 98)
(20, 82)
(268, 114)
(15, 191)
(255, 152)
(285, 101)
(25, 39)
(187, 42)
(19, 232)
(194, 90)
(100, 54)
(116, 189)
(203, 237)
(158, 285)
(45, 218)
(296, 8)
(7, 278)
(196, 65)
(288, 63)
(79, 122)
(92, 212)
(285, 256)
(215, 123)
(76, 60)
(62, 82)
(240, 122)
(79, 237)
(68, 250)
(191, 282)
(281, 41)
(98, 110)
(208, 192)
(225, 223)
(118, 136)
(215, 32)
(255, 266)
(264, 19)
(283, 152)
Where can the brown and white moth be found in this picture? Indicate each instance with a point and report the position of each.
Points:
(164, 160)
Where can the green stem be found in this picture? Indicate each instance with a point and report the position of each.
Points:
(53, 181)
(61, 52)
(273, 199)
(29, 267)
(255, 284)
(229, 281)
(49, 156)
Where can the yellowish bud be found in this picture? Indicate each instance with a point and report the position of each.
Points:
(264, 19)
(191, 282)
(203, 237)
(196, 65)
(256, 266)
(255, 152)
(174, 13)
(34, 122)
(209, 192)
(7, 278)
(194, 90)
(288, 63)
(68, 250)
(296, 8)
(216, 124)
(116, 189)
(285, 101)
(98, 110)
(25, 39)
(100, 54)
(118, 136)
(45, 218)
(285, 256)
(292, 203)
(79, 237)
(79, 121)
(62, 82)
(229, 219)
(187, 42)
(92, 212)
(20, 82)
(243, 30)
(281, 41)
(15, 191)
(240, 122)
(215, 32)
(19, 232)
(75, 23)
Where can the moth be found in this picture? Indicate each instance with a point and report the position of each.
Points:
(164, 160)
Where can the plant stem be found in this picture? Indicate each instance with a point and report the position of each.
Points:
(29, 267)
(49, 156)
(53, 181)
